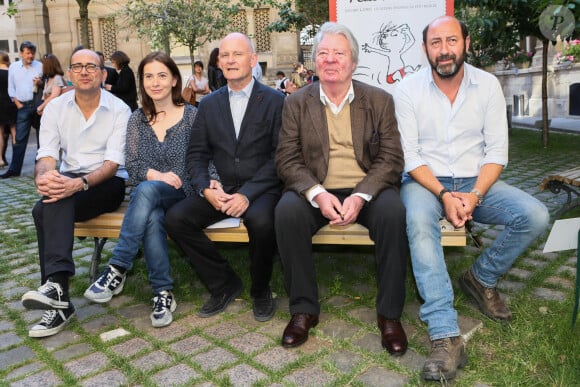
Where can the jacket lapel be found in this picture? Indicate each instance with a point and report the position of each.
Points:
(317, 112)
(255, 99)
(358, 122)
(226, 113)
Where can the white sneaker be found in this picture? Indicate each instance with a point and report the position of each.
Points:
(109, 284)
(163, 305)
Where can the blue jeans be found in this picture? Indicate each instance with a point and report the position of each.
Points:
(23, 123)
(524, 217)
(145, 221)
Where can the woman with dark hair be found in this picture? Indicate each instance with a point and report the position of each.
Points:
(197, 85)
(53, 81)
(157, 139)
(125, 87)
(215, 76)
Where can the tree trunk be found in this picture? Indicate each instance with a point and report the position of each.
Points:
(84, 17)
(545, 125)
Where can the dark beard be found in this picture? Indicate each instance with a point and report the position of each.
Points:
(448, 71)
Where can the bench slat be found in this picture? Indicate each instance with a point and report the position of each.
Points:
(109, 225)
(570, 176)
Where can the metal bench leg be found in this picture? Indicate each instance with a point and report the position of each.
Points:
(96, 260)
(555, 187)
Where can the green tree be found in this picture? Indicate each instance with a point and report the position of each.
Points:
(83, 16)
(522, 17)
(191, 23)
(84, 19)
(297, 14)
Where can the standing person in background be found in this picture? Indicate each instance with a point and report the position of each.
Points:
(257, 72)
(236, 127)
(214, 73)
(7, 109)
(83, 135)
(125, 87)
(297, 76)
(24, 78)
(454, 132)
(112, 75)
(157, 139)
(281, 81)
(310, 76)
(196, 84)
(340, 159)
(54, 81)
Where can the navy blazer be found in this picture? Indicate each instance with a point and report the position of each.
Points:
(245, 164)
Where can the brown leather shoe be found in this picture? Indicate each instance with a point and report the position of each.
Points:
(393, 337)
(446, 356)
(488, 299)
(296, 332)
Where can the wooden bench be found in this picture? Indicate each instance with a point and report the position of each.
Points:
(109, 225)
(568, 181)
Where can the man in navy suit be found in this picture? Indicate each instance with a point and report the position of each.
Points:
(237, 127)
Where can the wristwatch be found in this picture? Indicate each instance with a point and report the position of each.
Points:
(85, 183)
(443, 192)
(479, 196)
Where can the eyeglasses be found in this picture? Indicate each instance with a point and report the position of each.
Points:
(90, 67)
(235, 55)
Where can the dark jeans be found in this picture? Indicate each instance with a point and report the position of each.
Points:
(23, 123)
(185, 222)
(297, 220)
(55, 223)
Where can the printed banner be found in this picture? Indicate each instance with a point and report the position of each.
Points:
(390, 35)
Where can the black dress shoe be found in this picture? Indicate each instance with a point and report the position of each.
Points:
(393, 337)
(296, 332)
(264, 307)
(219, 302)
(8, 174)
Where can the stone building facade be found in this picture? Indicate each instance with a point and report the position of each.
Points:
(54, 26)
(522, 87)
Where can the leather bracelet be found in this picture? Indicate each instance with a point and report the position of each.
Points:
(443, 192)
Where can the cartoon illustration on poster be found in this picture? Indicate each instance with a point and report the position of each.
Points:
(392, 41)
(390, 35)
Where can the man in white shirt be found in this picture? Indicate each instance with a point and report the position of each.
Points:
(88, 126)
(24, 78)
(454, 134)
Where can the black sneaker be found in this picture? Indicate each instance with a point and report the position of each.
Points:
(218, 303)
(48, 296)
(163, 306)
(264, 307)
(52, 322)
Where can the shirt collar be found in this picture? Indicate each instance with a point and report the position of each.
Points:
(246, 91)
(336, 109)
(468, 76)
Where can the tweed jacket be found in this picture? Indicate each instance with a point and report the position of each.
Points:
(303, 148)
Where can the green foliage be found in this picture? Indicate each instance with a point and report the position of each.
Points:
(191, 23)
(295, 15)
(571, 50)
